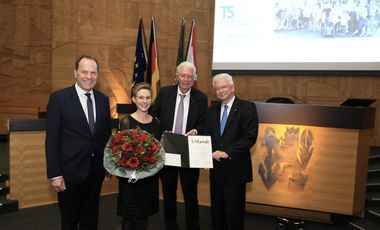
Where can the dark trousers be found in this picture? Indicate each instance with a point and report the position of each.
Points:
(227, 205)
(79, 204)
(140, 223)
(189, 182)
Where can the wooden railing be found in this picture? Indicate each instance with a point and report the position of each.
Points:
(9, 112)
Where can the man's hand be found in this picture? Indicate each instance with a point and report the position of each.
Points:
(192, 132)
(108, 176)
(217, 155)
(58, 184)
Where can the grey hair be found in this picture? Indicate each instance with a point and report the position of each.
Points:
(186, 64)
(221, 76)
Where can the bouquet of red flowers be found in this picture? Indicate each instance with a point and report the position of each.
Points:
(133, 154)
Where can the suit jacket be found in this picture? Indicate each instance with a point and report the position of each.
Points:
(69, 141)
(239, 136)
(164, 109)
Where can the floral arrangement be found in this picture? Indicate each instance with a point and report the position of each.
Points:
(133, 154)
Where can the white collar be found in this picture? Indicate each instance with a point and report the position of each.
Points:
(179, 92)
(81, 91)
(229, 104)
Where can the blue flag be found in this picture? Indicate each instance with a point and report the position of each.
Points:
(140, 65)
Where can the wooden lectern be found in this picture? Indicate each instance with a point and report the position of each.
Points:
(310, 161)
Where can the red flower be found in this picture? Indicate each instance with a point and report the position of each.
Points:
(152, 159)
(126, 156)
(136, 130)
(146, 159)
(123, 132)
(117, 138)
(133, 162)
(154, 146)
(148, 153)
(139, 149)
(126, 147)
(134, 149)
(135, 134)
(115, 148)
(123, 162)
(143, 137)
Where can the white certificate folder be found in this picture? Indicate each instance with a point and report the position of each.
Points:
(187, 151)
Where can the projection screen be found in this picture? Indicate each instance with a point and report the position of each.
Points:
(296, 35)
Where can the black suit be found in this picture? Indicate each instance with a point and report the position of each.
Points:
(164, 110)
(73, 152)
(229, 176)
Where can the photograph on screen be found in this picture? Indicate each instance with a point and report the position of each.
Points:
(297, 35)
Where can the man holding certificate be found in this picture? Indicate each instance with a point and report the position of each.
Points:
(181, 109)
(233, 125)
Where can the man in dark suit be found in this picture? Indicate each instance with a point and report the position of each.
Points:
(233, 126)
(193, 104)
(78, 127)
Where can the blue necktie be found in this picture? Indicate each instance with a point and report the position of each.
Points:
(90, 111)
(224, 119)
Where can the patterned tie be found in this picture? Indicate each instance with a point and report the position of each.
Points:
(179, 119)
(224, 119)
(90, 111)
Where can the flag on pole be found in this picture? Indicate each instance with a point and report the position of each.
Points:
(153, 76)
(181, 45)
(191, 50)
(141, 61)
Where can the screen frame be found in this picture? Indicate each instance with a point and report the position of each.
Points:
(373, 73)
(301, 69)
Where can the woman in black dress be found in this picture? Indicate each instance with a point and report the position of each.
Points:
(138, 200)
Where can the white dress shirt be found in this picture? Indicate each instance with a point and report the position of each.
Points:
(229, 104)
(83, 100)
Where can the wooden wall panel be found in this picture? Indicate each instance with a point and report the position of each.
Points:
(108, 30)
(317, 90)
(25, 58)
(28, 181)
(25, 53)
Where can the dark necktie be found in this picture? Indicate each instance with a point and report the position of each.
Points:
(224, 119)
(179, 119)
(90, 111)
